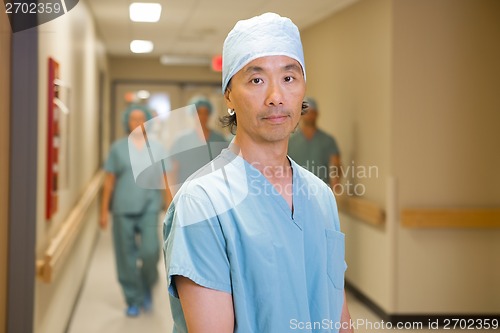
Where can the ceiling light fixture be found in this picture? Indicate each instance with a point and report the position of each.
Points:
(184, 60)
(145, 12)
(143, 94)
(141, 46)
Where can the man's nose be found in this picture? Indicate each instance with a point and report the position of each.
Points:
(274, 94)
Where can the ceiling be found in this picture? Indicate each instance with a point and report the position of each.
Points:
(196, 27)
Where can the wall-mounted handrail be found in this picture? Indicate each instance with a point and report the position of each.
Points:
(451, 218)
(362, 209)
(60, 245)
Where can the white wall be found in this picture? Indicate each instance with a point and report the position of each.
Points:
(71, 40)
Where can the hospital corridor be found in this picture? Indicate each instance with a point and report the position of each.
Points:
(249, 166)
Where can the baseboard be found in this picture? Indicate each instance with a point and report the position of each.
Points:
(448, 320)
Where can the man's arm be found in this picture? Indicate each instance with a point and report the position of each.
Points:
(109, 184)
(205, 310)
(167, 195)
(345, 319)
(172, 178)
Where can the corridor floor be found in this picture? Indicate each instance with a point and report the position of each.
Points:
(100, 307)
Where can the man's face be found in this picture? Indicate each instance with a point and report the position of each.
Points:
(136, 119)
(203, 115)
(267, 96)
(310, 117)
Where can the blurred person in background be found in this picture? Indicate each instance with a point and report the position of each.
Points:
(314, 149)
(135, 209)
(195, 148)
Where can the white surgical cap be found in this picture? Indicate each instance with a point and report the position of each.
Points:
(266, 35)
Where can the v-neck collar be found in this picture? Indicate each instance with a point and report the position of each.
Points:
(277, 197)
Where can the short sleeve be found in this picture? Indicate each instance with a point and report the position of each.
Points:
(111, 164)
(194, 245)
(333, 148)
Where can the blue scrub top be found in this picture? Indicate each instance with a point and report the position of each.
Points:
(228, 229)
(128, 196)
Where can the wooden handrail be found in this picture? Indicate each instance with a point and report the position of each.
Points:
(362, 209)
(451, 218)
(60, 245)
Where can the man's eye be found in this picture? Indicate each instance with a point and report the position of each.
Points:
(288, 79)
(256, 80)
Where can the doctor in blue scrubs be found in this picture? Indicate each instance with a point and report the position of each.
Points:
(135, 210)
(252, 241)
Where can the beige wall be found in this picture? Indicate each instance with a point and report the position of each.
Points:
(412, 87)
(71, 40)
(5, 40)
(446, 142)
(348, 63)
(144, 68)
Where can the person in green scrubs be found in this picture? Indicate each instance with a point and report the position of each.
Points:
(135, 210)
(314, 149)
(195, 148)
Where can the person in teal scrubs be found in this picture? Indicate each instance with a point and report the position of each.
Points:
(135, 210)
(252, 241)
(314, 149)
(195, 148)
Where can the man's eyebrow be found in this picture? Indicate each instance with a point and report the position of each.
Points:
(292, 67)
(258, 69)
(254, 69)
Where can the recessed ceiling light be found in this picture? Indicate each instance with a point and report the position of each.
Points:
(145, 12)
(143, 94)
(141, 46)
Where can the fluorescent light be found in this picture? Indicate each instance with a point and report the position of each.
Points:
(141, 46)
(145, 12)
(184, 60)
(143, 94)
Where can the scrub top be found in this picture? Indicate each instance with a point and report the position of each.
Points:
(314, 154)
(229, 229)
(128, 196)
(191, 152)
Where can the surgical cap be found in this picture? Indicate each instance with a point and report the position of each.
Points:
(311, 103)
(200, 102)
(128, 111)
(266, 35)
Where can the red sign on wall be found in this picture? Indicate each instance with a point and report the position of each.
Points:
(53, 140)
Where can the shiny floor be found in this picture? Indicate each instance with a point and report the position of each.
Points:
(100, 308)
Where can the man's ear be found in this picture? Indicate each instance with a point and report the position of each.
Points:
(227, 98)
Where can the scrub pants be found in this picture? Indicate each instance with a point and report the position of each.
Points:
(136, 244)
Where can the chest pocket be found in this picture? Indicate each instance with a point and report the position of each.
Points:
(335, 244)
